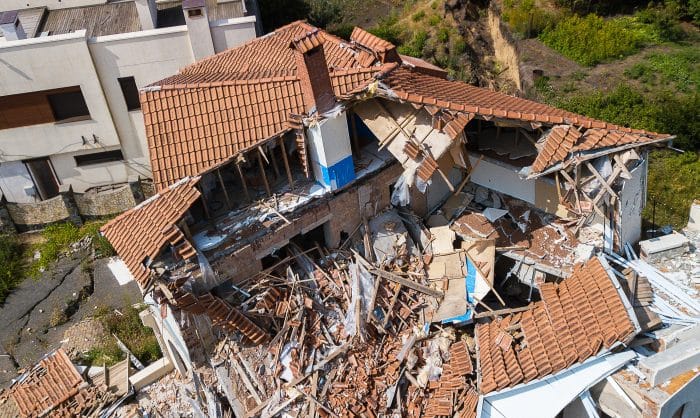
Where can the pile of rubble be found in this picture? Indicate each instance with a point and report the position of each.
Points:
(405, 320)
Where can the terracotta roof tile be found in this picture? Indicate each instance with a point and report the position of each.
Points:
(565, 139)
(140, 234)
(572, 322)
(46, 385)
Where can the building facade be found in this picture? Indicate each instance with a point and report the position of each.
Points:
(70, 72)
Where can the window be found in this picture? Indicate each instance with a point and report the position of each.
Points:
(68, 104)
(98, 158)
(130, 92)
(194, 12)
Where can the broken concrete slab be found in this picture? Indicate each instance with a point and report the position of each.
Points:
(667, 246)
(669, 363)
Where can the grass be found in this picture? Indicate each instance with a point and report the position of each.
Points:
(679, 69)
(673, 184)
(140, 339)
(11, 265)
(57, 239)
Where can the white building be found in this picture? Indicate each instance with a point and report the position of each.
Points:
(70, 71)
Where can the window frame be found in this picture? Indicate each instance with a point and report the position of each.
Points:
(126, 84)
(91, 159)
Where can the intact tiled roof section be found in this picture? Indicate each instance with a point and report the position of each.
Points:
(191, 129)
(575, 320)
(49, 383)
(272, 53)
(139, 234)
(423, 89)
(564, 139)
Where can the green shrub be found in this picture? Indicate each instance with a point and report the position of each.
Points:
(416, 45)
(418, 16)
(386, 29)
(592, 39)
(434, 20)
(525, 19)
(665, 111)
(443, 34)
(663, 20)
(11, 273)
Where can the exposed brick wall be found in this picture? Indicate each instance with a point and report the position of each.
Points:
(96, 205)
(337, 213)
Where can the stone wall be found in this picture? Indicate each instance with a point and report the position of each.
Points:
(72, 207)
(94, 204)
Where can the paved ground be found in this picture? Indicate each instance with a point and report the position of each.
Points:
(70, 289)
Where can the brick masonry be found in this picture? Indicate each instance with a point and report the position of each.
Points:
(341, 212)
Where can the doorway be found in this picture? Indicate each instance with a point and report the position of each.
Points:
(44, 177)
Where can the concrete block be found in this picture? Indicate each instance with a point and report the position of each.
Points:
(694, 218)
(151, 373)
(667, 246)
(665, 365)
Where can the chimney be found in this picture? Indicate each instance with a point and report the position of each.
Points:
(197, 21)
(11, 26)
(312, 70)
(148, 13)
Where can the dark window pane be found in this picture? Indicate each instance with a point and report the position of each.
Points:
(70, 104)
(98, 158)
(130, 92)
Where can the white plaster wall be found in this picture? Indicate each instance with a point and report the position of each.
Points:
(502, 178)
(14, 177)
(232, 32)
(48, 63)
(82, 178)
(632, 201)
(200, 35)
(51, 4)
(148, 56)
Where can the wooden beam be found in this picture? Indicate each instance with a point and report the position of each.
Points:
(469, 175)
(398, 279)
(501, 312)
(207, 214)
(600, 178)
(263, 174)
(622, 166)
(223, 187)
(242, 177)
(283, 148)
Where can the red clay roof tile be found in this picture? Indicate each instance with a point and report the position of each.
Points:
(141, 233)
(571, 323)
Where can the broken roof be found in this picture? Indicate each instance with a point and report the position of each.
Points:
(238, 99)
(575, 320)
(139, 234)
(228, 103)
(46, 385)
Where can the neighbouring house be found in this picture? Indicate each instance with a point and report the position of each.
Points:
(300, 138)
(70, 71)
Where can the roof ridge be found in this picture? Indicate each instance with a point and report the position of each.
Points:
(296, 23)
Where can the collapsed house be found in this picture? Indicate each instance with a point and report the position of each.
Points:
(336, 224)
